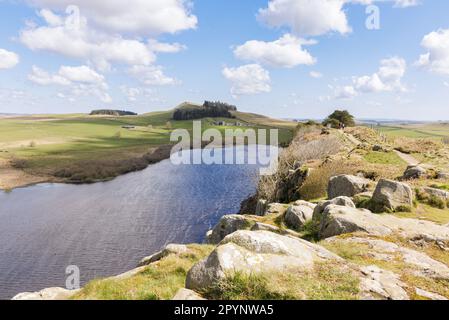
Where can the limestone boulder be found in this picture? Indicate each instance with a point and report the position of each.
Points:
(414, 172)
(298, 214)
(442, 194)
(338, 220)
(227, 225)
(255, 252)
(391, 195)
(346, 185)
(322, 205)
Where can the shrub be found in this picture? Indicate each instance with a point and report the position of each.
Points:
(436, 202)
(315, 186)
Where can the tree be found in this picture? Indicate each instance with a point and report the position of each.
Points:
(340, 117)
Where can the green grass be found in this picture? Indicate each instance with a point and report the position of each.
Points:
(421, 131)
(159, 281)
(386, 158)
(325, 282)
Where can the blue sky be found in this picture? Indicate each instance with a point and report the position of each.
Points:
(283, 58)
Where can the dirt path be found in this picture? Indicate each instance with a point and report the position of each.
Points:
(411, 161)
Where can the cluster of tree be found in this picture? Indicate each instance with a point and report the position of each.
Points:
(220, 105)
(208, 110)
(109, 112)
(339, 119)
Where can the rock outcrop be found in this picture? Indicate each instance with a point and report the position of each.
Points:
(47, 294)
(442, 194)
(227, 225)
(338, 220)
(255, 252)
(378, 284)
(169, 249)
(391, 195)
(414, 172)
(322, 205)
(346, 185)
(298, 214)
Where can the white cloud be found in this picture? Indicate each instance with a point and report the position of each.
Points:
(286, 52)
(163, 47)
(144, 17)
(306, 17)
(81, 81)
(248, 79)
(315, 17)
(316, 74)
(437, 57)
(446, 84)
(8, 59)
(387, 79)
(84, 43)
(152, 75)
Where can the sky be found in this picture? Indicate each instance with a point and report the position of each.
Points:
(384, 59)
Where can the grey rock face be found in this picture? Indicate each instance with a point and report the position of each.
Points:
(227, 225)
(346, 185)
(254, 252)
(414, 172)
(339, 201)
(298, 214)
(391, 194)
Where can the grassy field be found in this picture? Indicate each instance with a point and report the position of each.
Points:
(45, 144)
(436, 131)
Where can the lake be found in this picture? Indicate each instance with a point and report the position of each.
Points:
(106, 228)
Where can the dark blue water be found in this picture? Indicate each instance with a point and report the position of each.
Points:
(106, 228)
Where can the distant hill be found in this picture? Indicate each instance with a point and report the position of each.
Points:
(108, 112)
(210, 109)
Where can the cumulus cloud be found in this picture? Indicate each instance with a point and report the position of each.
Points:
(316, 74)
(437, 57)
(315, 17)
(79, 41)
(248, 79)
(142, 17)
(152, 75)
(82, 81)
(8, 59)
(387, 79)
(286, 52)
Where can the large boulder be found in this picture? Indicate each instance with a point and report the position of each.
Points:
(442, 194)
(391, 195)
(414, 172)
(338, 220)
(255, 252)
(47, 294)
(227, 225)
(176, 249)
(322, 205)
(346, 185)
(298, 214)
